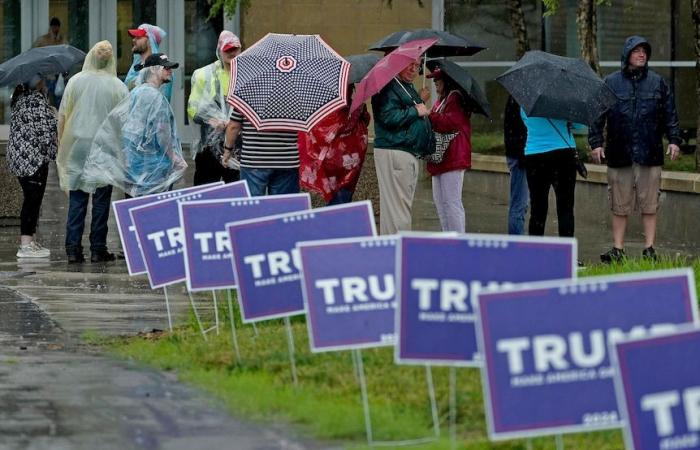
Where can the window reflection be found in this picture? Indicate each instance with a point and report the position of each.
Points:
(10, 45)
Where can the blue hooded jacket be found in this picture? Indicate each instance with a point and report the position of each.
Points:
(644, 112)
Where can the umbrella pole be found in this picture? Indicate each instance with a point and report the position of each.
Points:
(425, 65)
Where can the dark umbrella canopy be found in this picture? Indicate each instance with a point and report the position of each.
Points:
(557, 87)
(360, 65)
(464, 80)
(447, 44)
(41, 60)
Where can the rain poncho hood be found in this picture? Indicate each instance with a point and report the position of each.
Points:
(630, 43)
(207, 104)
(155, 36)
(88, 98)
(137, 148)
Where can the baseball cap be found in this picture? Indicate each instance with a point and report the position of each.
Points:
(229, 45)
(158, 59)
(137, 32)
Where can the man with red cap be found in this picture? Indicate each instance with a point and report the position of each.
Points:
(207, 107)
(145, 41)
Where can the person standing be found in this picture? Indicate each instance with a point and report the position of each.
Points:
(145, 41)
(450, 115)
(208, 108)
(550, 162)
(137, 148)
(402, 131)
(90, 96)
(31, 146)
(514, 137)
(53, 37)
(633, 146)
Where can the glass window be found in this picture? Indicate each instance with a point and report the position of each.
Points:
(201, 36)
(131, 14)
(73, 15)
(10, 19)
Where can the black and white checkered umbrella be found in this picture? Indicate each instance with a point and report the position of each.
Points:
(288, 82)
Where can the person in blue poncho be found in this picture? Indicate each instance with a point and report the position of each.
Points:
(145, 41)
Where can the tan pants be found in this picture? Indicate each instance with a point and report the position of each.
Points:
(397, 174)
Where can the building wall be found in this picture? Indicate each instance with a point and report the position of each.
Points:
(349, 26)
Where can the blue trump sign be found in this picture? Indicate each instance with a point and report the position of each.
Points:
(207, 249)
(545, 347)
(125, 226)
(349, 292)
(658, 387)
(438, 279)
(266, 261)
(160, 234)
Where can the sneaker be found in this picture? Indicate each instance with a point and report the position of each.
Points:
(102, 256)
(614, 255)
(650, 254)
(33, 250)
(75, 258)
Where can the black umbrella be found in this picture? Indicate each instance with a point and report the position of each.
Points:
(464, 80)
(41, 60)
(361, 64)
(447, 45)
(547, 85)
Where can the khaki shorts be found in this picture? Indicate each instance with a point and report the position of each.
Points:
(634, 188)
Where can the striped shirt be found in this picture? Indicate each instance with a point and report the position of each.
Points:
(267, 149)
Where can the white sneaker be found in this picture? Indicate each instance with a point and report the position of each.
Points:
(33, 250)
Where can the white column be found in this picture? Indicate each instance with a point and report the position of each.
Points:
(438, 22)
(102, 21)
(170, 15)
(35, 21)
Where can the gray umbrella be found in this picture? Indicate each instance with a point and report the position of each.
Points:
(448, 44)
(361, 64)
(547, 85)
(474, 95)
(41, 60)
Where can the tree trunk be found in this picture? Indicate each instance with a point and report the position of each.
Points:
(517, 23)
(696, 22)
(587, 25)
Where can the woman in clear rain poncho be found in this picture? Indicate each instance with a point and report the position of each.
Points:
(208, 108)
(142, 50)
(89, 97)
(137, 148)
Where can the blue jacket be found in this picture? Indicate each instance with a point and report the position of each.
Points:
(644, 112)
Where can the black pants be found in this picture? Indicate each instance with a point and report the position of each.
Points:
(555, 169)
(33, 188)
(207, 169)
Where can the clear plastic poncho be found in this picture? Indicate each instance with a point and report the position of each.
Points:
(88, 98)
(137, 148)
(155, 34)
(207, 104)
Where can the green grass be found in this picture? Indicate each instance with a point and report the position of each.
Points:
(492, 144)
(326, 404)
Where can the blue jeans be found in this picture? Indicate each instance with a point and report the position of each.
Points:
(271, 181)
(519, 197)
(344, 195)
(77, 209)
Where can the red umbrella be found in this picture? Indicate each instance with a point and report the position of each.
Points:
(387, 68)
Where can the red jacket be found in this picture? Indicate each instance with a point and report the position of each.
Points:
(451, 118)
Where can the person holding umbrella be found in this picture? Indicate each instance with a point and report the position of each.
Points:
(32, 144)
(450, 114)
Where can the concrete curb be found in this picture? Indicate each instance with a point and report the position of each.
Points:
(670, 181)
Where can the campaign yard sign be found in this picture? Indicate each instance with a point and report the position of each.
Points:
(160, 235)
(658, 388)
(207, 250)
(545, 347)
(125, 226)
(438, 278)
(266, 261)
(349, 292)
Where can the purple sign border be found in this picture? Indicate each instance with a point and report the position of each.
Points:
(309, 319)
(486, 378)
(476, 238)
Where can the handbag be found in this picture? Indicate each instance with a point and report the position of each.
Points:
(580, 166)
(440, 142)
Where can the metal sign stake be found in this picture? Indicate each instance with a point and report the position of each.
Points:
(167, 307)
(559, 439)
(196, 316)
(453, 408)
(216, 312)
(234, 338)
(290, 344)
